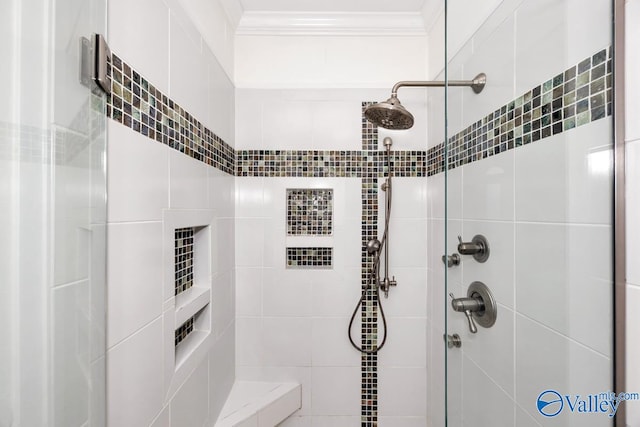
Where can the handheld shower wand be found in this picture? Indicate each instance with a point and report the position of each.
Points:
(374, 248)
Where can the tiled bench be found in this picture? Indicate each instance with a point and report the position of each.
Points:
(259, 404)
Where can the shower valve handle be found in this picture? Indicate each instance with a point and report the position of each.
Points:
(468, 306)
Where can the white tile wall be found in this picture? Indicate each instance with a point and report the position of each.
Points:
(145, 178)
(150, 54)
(632, 133)
(134, 300)
(541, 206)
(328, 61)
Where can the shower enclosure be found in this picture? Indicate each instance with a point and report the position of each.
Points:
(52, 218)
(528, 165)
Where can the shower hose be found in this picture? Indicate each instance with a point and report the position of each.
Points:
(374, 279)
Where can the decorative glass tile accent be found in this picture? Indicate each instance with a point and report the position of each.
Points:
(310, 258)
(309, 212)
(184, 330)
(183, 259)
(137, 104)
(373, 167)
(577, 96)
(342, 164)
(369, 131)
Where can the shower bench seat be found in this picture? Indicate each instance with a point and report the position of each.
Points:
(259, 404)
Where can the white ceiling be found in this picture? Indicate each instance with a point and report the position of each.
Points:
(332, 5)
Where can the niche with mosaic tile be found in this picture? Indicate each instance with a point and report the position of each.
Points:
(187, 285)
(309, 211)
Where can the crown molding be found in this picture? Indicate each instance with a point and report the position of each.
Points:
(332, 23)
(234, 11)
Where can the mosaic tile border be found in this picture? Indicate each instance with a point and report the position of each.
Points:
(309, 211)
(184, 330)
(183, 254)
(369, 308)
(310, 258)
(580, 95)
(139, 105)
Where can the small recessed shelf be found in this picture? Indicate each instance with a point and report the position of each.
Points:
(189, 302)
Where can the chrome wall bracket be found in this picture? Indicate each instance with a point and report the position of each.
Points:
(479, 306)
(94, 58)
(478, 247)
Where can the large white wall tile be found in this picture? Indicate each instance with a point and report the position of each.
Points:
(249, 242)
(572, 172)
(330, 345)
(633, 351)
(491, 350)
(329, 61)
(286, 341)
(249, 350)
(188, 71)
(633, 210)
(148, 54)
(484, 401)
(222, 369)
(335, 292)
(71, 354)
(286, 293)
(249, 291)
(336, 391)
(138, 176)
(494, 57)
(576, 278)
(403, 391)
(632, 69)
(188, 182)
(134, 271)
(190, 405)
(538, 369)
(487, 188)
(135, 378)
(406, 344)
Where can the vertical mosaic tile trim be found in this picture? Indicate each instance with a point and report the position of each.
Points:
(309, 212)
(372, 166)
(309, 258)
(369, 131)
(183, 259)
(184, 330)
(137, 104)
(580, 95)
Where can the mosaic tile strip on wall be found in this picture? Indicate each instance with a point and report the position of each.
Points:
(310, 258)
(341, 164)
(137, 104)
(184, 330)
(369, 307)
(581, 94)
(309, 212)
(183, 259)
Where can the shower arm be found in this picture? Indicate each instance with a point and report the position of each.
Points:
(477, 84)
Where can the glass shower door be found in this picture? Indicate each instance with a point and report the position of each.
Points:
(52, 218)
(529, 167)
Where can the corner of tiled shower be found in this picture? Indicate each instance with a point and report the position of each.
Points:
(297, 128)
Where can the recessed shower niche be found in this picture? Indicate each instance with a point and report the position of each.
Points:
(309, 219)
(188, 285)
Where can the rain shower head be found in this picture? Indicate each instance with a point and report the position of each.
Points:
(389, 114)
